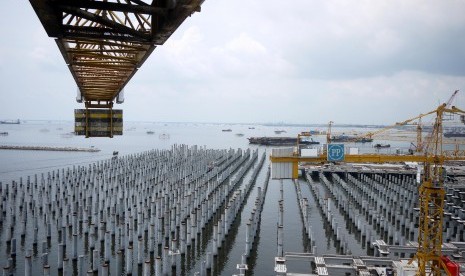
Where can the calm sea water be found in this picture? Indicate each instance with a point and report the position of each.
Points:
(134, 140)
(15, 164)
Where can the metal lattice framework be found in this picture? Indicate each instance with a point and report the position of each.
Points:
(431, 196)
(105, 42)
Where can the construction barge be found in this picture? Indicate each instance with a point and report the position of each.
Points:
(350, 139)
(10, 122)
(45, 148)
(281, 141)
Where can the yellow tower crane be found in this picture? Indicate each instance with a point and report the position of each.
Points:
(431, 190)
(431, 196)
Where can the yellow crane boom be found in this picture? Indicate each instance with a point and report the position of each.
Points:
(420, 144)
(403, 123)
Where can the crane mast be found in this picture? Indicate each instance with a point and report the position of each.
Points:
(419, 147)
(431, 197)
(328, 133)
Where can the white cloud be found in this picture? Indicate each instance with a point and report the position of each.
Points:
(244, 44)
(300, 61)
(240, 56)
(183, 47)
(385, 43)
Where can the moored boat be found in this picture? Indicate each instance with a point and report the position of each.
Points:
(10, 122)
(353, 139)
(380, 146)
(280, 141)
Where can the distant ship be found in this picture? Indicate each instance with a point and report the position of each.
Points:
(226, 130)
(455, 132)
(279, 131)
(11, 122)
(150, 132)
(380, 146)
(280, 141)
(354, 139)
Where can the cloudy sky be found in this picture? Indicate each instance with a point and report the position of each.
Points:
(252, 61)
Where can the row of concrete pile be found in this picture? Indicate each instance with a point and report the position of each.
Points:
(305, 213)
(233, 206)
(378, 206)
(371, 209)
(133, 214)
(454, 213)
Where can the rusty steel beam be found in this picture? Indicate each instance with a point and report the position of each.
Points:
(88, 4)
(105, 42)
(106, 22)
